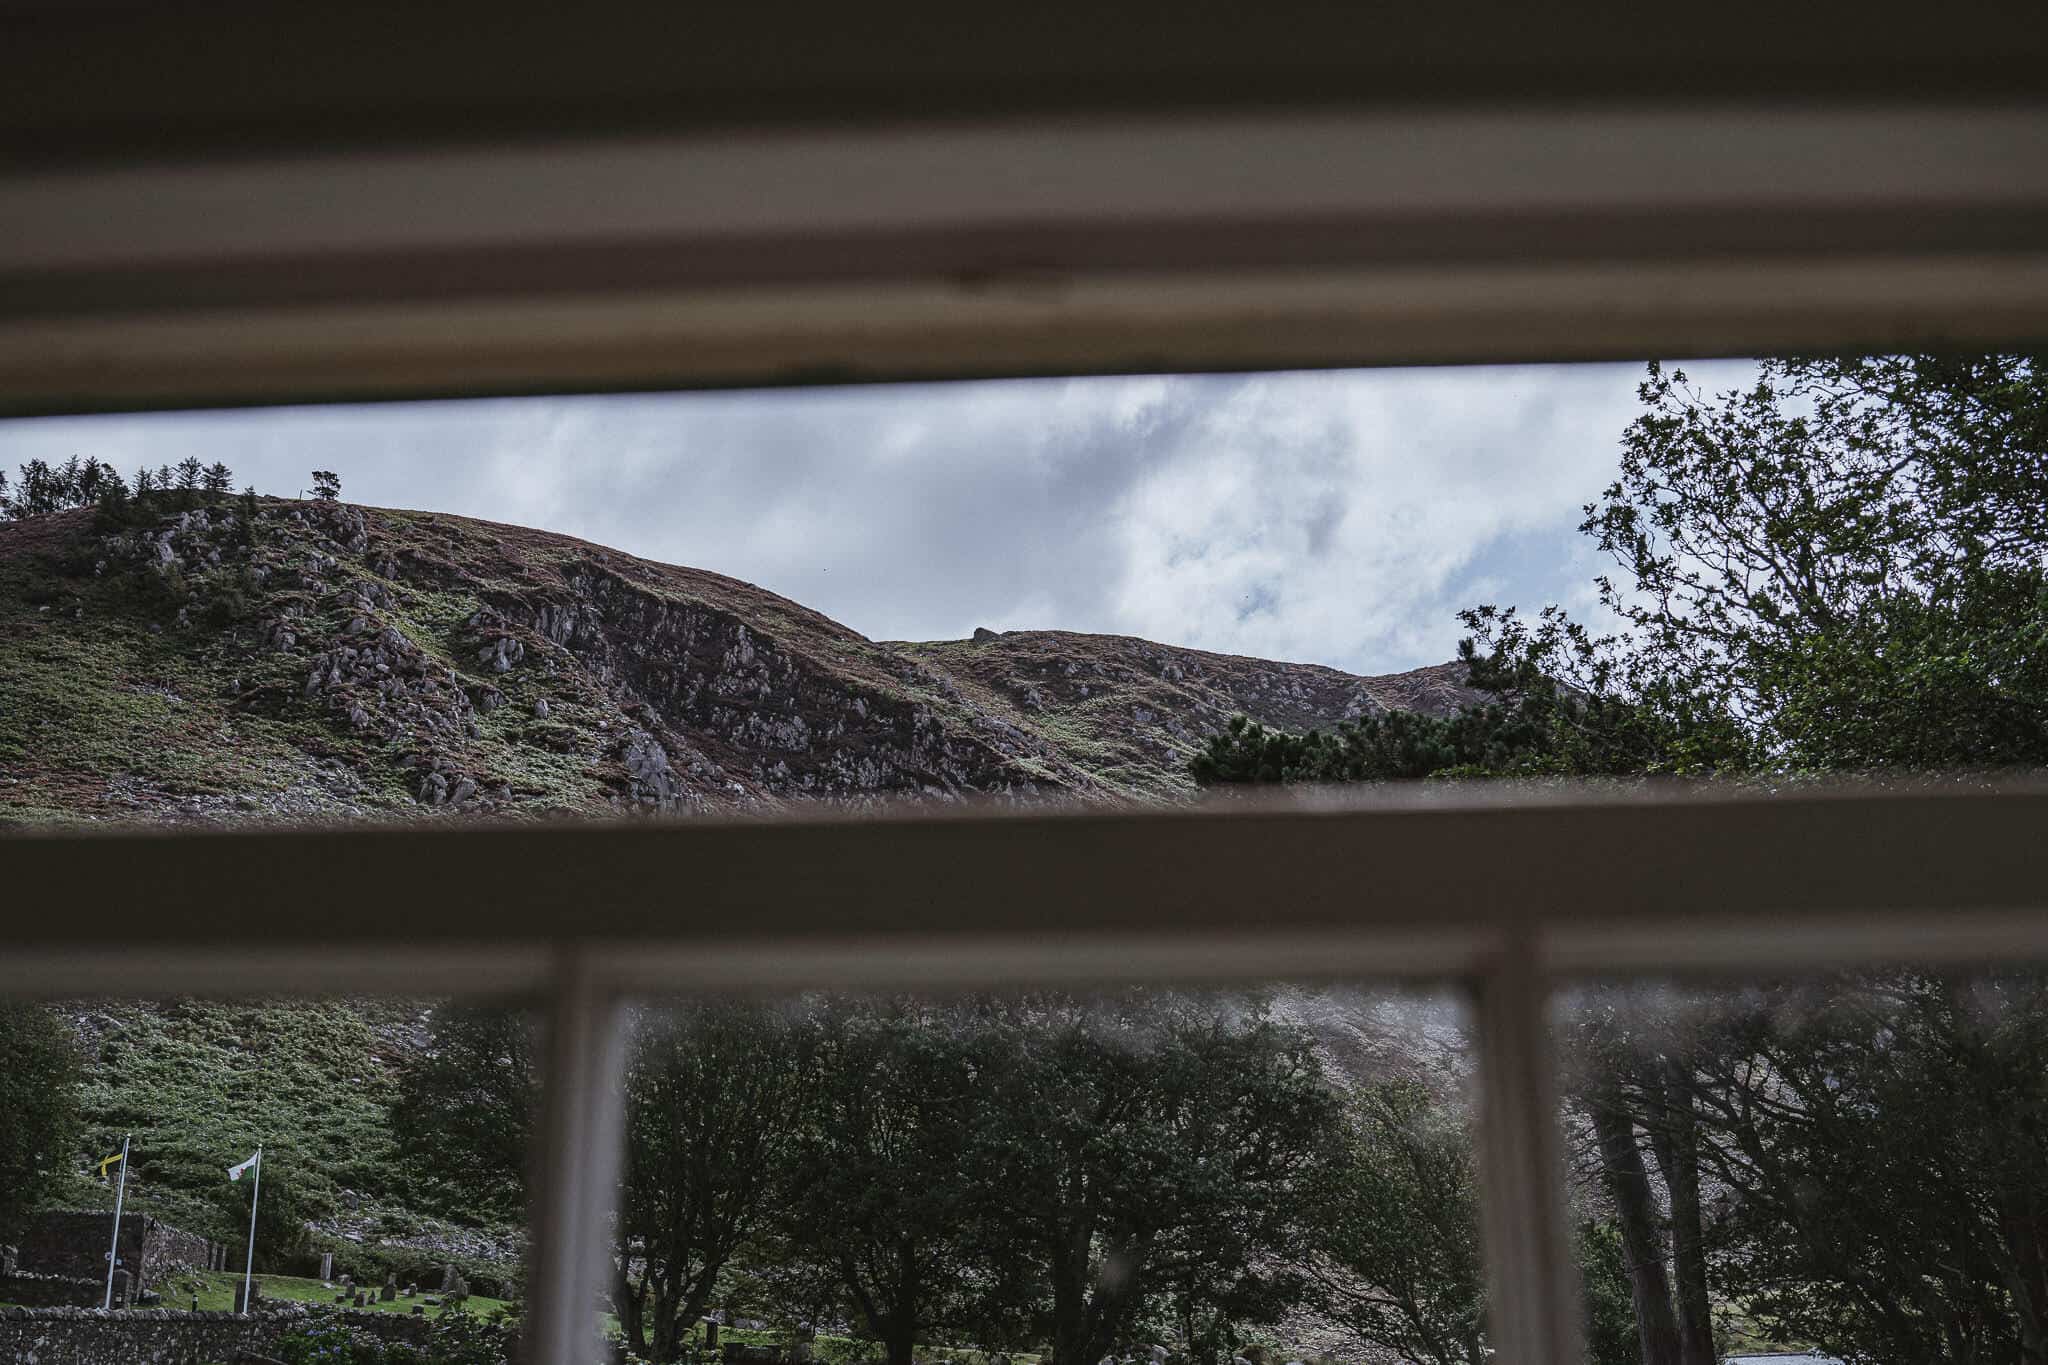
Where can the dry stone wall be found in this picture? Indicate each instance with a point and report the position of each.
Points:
(88, 1336)
(52, 1291)
(64, 1242)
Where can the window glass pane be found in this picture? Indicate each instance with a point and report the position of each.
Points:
(1848, 1165)
(360, 1162)
(1270, 1175)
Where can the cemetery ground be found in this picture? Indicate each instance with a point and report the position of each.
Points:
(217, 1291)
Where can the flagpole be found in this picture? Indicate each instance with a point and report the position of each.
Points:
(114, 1251)
(255, 1194)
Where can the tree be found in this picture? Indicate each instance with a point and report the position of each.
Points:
(43, 489)
(1888, 1182)
(1398, 1225)
(887, 1165)
(38, 1076)
(1152, 1145)
(715, 1093)
(326, 485)
(217, 480)
(466, 1107)
(281, 1212)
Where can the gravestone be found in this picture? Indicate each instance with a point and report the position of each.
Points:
(449, 1275)
(411, 1291)
(341, 1298)
(348, 1282)
(359, 1299)
(710, 1334)
(246, 1301)
(388, 1293)
(120, 1299)
(326, 1266)
(419, 1310)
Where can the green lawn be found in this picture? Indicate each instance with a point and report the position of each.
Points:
(217, 1290)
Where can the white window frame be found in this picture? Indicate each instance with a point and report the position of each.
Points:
(1500, 892)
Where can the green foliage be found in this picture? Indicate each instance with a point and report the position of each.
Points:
(201, 1083)
(326, 485)
(38, 1079)
(465, 1109)
(280, 1211)
(1833, 555)
(1397, 1220)
(44, 488)
(1183, 1131)
(886, 1163)
(452, 1339)
(714, 1098)
(1610, 1322)
(1892, 1212)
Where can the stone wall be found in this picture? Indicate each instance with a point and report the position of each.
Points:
(66, 1242)
(156, 1336)
(165, 1248)
(52, 1291)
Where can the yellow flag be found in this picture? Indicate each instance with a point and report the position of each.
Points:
(108, 1162)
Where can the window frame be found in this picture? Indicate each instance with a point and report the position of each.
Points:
(1501, 892)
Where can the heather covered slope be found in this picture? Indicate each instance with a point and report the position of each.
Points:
(328, 661)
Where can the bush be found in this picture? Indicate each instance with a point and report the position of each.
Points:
(456, 1339)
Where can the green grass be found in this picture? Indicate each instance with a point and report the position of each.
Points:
(217, 1291)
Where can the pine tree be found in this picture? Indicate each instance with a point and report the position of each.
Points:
(111, 497)
(326, 485)
(218, 480)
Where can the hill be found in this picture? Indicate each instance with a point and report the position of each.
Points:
(319, 660)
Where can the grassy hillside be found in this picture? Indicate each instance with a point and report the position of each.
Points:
(200, 1083)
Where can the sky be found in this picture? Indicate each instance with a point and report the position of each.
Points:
(1336, 517)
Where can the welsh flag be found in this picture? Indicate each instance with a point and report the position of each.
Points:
(235, 1172)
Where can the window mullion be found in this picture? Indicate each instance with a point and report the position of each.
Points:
(1533, 1300)
(577, 1167)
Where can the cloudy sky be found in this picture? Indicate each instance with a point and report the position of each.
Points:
(1338, 517)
